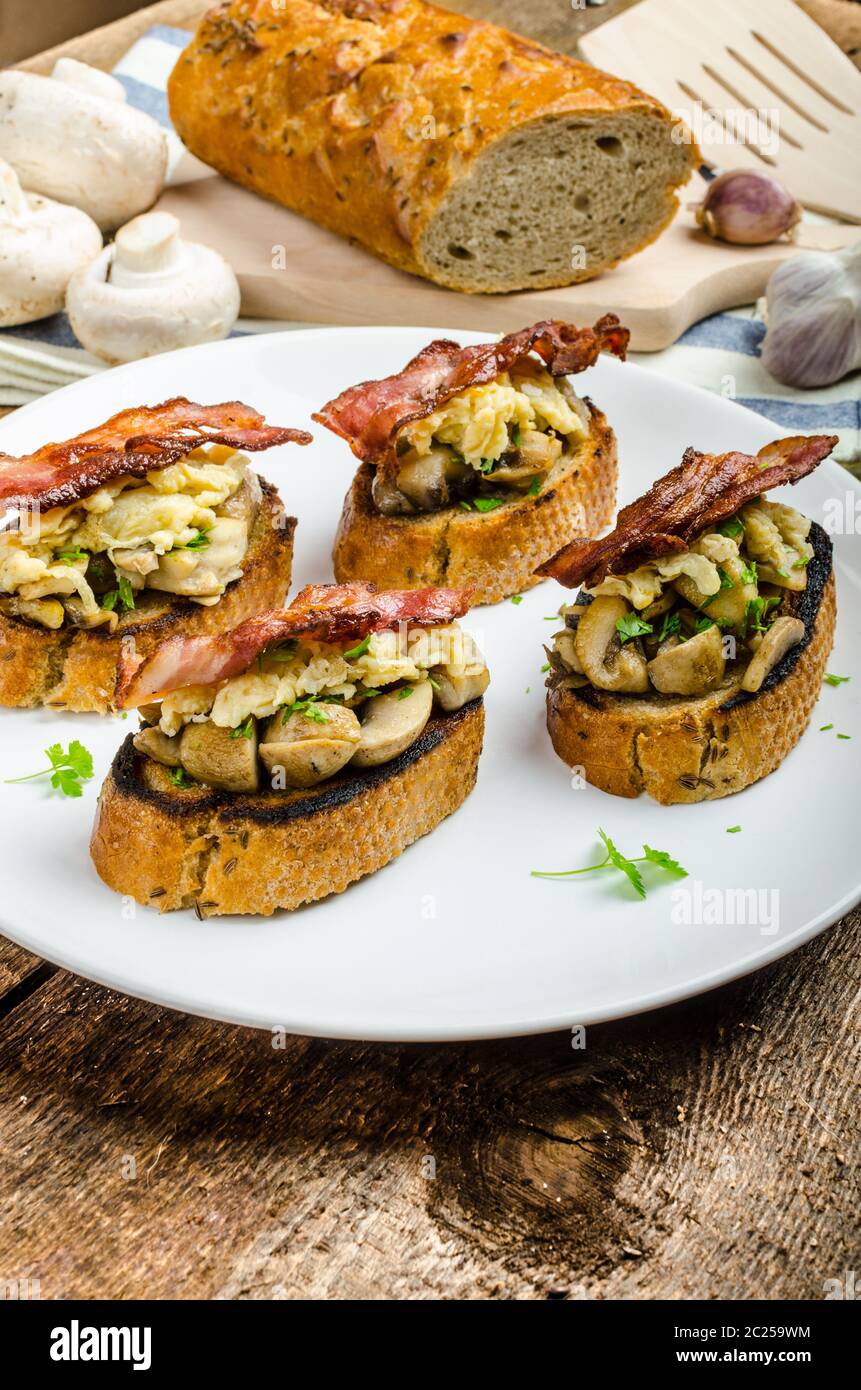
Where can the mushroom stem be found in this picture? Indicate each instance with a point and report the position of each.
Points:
(14, 207)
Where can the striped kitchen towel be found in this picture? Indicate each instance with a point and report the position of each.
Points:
(720, 353)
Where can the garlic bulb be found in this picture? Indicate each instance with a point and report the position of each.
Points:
(747, 207)
(814, 318)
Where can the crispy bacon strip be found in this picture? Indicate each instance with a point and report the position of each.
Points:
(370, 415)
(130, 444)
(704, 490)
(326, 612)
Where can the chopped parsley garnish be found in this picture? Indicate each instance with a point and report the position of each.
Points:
(534, 486)
(670, 623)
(488, 504)
(434, 683)
(466, 506)
(733, 528)
(754, 612)
(245, 729)
(199, 541)
(486, 465)
(631, 626)
(516, 436)
(309, 708)
(68, 557)
(726, 582)
(733, 829)
(835, 680)
(823, 728)
(109, 600)
(802, 562)
(178, 777)
(281, 651)
(749, 573)
(68, 768)
(355, 652)
(844, 736)
(516, 598)
(617, 860)
(123, 593)
(703, 624)
(405, 691)
(545, 667)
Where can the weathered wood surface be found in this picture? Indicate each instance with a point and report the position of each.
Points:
(706, 1151)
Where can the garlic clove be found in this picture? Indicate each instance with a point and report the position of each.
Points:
(814, 318)
(747, 207)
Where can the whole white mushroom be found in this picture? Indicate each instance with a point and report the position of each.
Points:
(42, 244)
(73, 137)
(150, 292)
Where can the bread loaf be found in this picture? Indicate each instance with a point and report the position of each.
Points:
(447, 146)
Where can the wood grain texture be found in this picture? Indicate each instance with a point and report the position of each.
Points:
(706, 1151)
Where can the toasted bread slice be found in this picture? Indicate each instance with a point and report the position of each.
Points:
(75, 669)
(220, 852)
(493, 553)
(681, 749)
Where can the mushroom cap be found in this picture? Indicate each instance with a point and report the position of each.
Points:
(113, 169)
(168, 293)
(42, 244)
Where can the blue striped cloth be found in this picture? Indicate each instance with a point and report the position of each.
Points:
(720, 353)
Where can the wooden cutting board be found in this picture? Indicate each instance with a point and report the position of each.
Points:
(291, 268)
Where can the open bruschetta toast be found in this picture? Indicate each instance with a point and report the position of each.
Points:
(150, 526)
(693, 655)
(477, 463)
(283, 760)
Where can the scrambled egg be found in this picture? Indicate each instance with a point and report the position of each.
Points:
(776, 537)
(643, 585)
(318, 668)
(135, 522)
(476, 422)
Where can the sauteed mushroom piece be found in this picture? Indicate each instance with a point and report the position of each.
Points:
(219, 757)
(392, 723)
(453, 692)
(783, 634)
(305, 751)
(692, 667)
(608, 663)
(158, 746)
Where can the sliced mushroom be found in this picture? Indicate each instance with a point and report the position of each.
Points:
(608, 664)
(302, 751)
(87, 617)
(690, 668)
(44, 611)
(392, 723)
(426, 479)
(453, 692)
(536, 454)
(660, 606)
(159, 746)
(565, 646)
(727, 605)
(215, 756)
(783, 634)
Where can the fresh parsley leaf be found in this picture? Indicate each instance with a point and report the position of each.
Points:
(199, 541)
(630, 626)
(68, 768)
(534, 486)
(109, 600)
(68, 557)
(670, 623)
(802, 562)
(355, 652)
(486, 465)
(405, 691)
(733, 829)
(627, 866)
(664, 861)
(545, 667)
(126, 592)
(617, 860)
(516, 436)
(749, 573)
(733, 528)
(516, 598)
(178, 777)
(309, 708)
(846, 736)
(703, 624)
(823, 729)
(835, 680)
(245, 729)
(487, 504)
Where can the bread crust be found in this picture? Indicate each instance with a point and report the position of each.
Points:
(495, 553)
(74, 669)
(681, 750)
(222, 853)
(365, 122)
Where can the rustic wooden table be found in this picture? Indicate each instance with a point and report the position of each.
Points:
(706, 1151)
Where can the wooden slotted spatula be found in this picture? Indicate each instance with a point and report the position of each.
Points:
(760, 84)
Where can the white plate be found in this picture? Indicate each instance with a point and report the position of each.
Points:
(454, 939)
